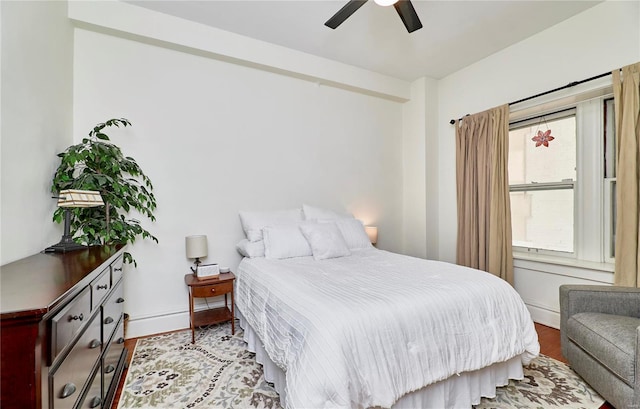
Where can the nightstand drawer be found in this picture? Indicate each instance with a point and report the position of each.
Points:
(212, 290)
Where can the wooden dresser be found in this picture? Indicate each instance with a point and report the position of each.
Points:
(61, 333)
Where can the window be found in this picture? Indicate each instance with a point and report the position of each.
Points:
(541, 179)
(563, 192)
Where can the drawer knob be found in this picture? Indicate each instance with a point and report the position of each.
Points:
(120, 340)
(120, 300)
(108, 320)
(95, 402)
(102, 287)
(213, 290)
(94, 344)
(109, 369)
(76, 317)
(117, 269)
(68, 390)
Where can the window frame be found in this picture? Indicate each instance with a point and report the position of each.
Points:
(592, 191)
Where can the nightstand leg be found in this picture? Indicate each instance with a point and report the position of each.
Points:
(193, 336)
(233, 317)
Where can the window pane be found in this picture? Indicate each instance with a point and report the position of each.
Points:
(614, 216)
(543, 219)
(531, 164)
(609, 139)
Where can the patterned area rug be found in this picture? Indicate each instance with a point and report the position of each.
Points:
(167, 371)
(547, 383)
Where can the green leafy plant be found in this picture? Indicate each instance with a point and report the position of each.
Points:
(98, 164)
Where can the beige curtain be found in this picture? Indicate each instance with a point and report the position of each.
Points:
(484, 211)
(626, 90)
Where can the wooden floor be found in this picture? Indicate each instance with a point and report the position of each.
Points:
(549, 345)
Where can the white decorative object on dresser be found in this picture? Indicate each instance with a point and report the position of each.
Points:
(62, 329)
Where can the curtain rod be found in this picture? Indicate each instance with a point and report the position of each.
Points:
(569, 85)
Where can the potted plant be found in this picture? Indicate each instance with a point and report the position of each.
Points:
(97, 164)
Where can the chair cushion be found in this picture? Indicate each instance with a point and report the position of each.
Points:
(610, 339)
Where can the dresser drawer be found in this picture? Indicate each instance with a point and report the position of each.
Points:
(111, 359)
(67, 380)
(100, 288)
(116, 270)
(112, 311)
(69, 321)
(93, 398)
(212, 290)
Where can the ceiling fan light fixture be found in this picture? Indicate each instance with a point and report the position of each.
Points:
(404, 8)
(385, 3)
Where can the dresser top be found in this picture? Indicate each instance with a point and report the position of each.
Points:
(34, 285)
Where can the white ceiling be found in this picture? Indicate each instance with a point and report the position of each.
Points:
(455, 33)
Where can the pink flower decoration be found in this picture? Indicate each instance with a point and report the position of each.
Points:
(543, 138)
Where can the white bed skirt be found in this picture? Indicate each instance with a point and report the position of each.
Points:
(459, 391)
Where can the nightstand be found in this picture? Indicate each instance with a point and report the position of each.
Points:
(213, 287)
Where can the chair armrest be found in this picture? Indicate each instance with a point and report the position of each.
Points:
(604, 299)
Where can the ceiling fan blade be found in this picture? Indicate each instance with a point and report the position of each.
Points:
(344, 13)
(408, 15)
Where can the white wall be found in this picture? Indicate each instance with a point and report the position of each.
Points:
(36, 121)
(420, 167)
(217, 137)
(598, 40)
(414, 226)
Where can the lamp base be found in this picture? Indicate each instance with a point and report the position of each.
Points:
(66, 245)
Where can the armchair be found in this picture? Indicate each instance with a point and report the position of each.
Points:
(600, 338)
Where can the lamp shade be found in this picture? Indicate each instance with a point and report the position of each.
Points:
(385, 3)
(196, 246)
(372, 232)
(79, 198)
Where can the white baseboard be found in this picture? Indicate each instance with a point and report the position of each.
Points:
(142, 327)
(167, 322)
(544, 316)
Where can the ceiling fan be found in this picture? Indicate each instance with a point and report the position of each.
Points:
(404, 8)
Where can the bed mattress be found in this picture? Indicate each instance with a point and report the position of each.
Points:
(367, 329)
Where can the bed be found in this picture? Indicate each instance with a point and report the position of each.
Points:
(373, 329)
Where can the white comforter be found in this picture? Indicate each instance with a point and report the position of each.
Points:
(364, 330)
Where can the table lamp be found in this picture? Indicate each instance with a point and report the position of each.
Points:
(372, 232)
(73, 198)
(196, 247)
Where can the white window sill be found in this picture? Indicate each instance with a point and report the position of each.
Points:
(571, 267)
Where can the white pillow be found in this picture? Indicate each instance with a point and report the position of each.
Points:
(254, 222)
(326, 240)
(316, 213)
(285, 241)
(354, 233)
(250, 248)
